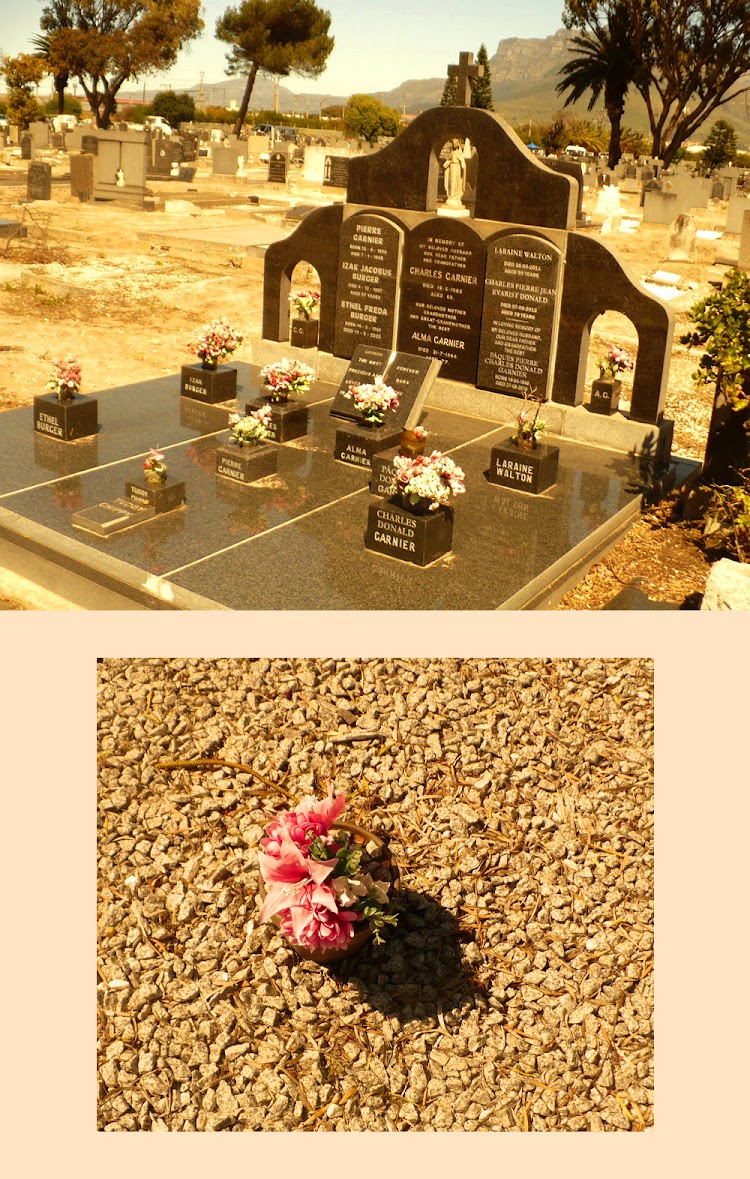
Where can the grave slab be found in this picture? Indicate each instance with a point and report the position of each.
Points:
(299, 542)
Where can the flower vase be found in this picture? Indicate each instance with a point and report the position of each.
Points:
(210, 362)
(410, 444)
(526, 443)
(274, 396)
(361, 837)
(421, 506)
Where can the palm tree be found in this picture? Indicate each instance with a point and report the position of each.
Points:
(608, 62)
(60, 77)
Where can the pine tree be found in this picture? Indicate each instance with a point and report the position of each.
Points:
(481, 88)
(720, 147)
(450, 93)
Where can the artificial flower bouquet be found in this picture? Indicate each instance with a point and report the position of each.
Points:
(615, 361)
(322, 889)
(373, 401)
(154, 467)
(304, 303)
(253, 429)
(215, 341)
(528, 428)
(285, 377)
(65, 379)
(435, 478)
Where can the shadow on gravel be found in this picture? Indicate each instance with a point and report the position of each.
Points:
(418, 971)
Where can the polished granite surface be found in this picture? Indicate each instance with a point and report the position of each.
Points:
(295, 540)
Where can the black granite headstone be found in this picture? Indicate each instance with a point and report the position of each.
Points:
(336, 171)
(26, 147)
(39, 182)
(441, 296)
(246, 464)
(409, 376)
(518, 318)
(367, 288)
(278, 164)
(395, 531)
(90, 145)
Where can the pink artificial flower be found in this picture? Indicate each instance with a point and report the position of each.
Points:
(311, 819)
(292, 876)
(318, 924)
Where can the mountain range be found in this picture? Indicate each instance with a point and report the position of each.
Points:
(524, 72)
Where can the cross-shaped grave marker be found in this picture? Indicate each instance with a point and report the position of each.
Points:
(462, 73)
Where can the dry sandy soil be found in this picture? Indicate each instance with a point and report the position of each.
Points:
(98, 281)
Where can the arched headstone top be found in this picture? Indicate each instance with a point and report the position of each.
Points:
(511, 186)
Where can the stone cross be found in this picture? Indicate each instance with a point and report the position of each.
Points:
(462, 72)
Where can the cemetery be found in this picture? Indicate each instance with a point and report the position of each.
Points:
(484, 289)
(504, 812)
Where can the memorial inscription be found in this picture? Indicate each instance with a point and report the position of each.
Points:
(277, 167)
(410, 376)
(518, 318)
(367, 288)
(336, 171)
(441, 296)
(39, 182)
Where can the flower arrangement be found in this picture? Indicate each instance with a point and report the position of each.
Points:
(432, 477)
(253, 429)
(314, 879)
(285, 377)
(304, 303)
(215, 341)
(65, 379)
(617, 360)
(374, 401)
(529, 429)
(154, 467)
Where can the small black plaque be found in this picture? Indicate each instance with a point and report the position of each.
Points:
(288, 418)
(65, 420)
(162, 497)
(523, 470)
(210, 385)
(304, 333)
(605, 396)
(394, 531)
(357, 445)
(383, 482)
(90, 145)
(112, 516)
(246, 464)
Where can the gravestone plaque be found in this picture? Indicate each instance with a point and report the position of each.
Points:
(518, 319)
(278, 164)
(26, 148)
(367, 363)
(336, 171)
(367, 288)
(39, 182)
(112, 516)
(90, 144)
(409, 376)
(441, 296)
(81, 176)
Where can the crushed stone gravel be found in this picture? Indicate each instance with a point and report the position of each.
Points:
(516, 993)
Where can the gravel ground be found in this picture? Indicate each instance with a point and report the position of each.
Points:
(516, 992)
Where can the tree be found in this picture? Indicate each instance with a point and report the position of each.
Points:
(57, 14)
(694, 54)
(175, 108)
(22, 75)
(109, 42)
(481, 88)
(607, 63)
(450, 92)
(369, 118)
(553, 137)
(276, 37)
(719, 148)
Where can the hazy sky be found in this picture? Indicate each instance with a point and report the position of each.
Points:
(378, 45)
